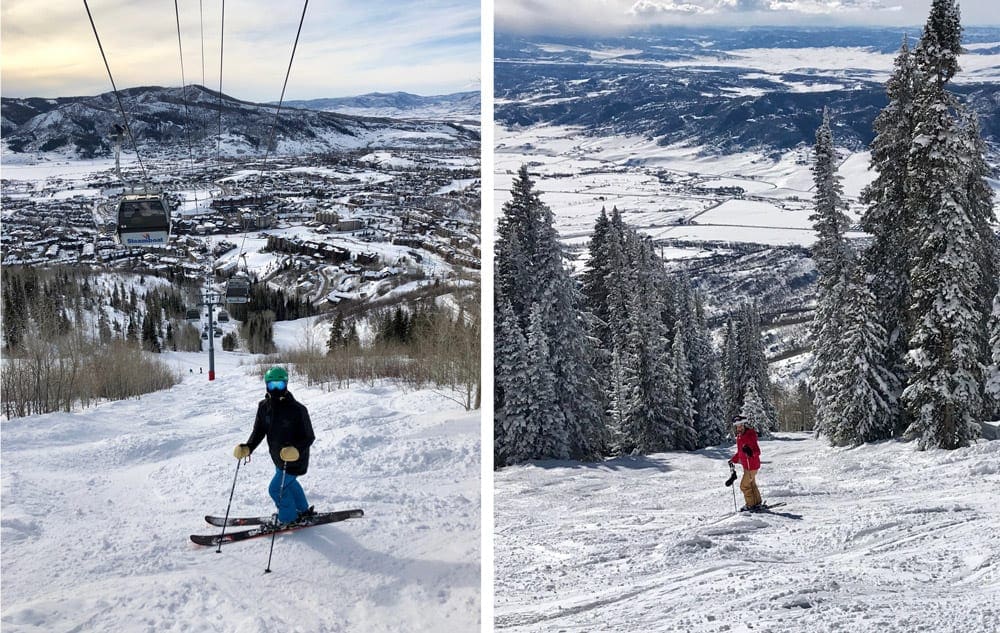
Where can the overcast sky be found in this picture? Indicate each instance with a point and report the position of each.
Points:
(347, 47)
(616, 16)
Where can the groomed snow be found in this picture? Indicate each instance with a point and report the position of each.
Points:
(98, 505)
(889, 539)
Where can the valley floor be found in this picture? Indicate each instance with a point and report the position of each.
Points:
(873, 539)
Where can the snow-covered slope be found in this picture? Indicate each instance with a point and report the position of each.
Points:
(98, 505)
(874, 539)
(402, 105)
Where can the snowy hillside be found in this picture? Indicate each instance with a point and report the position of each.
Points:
(170, 118)
(459, 106)
(874, 539)
(98, 505)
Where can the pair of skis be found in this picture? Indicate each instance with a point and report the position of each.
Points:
(261, 526)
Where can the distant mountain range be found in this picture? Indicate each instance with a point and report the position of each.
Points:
(170, 118)
(402, 105)
(725, 89)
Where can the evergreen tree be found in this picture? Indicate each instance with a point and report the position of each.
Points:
(863, 384)
(948, 278)
(833, 260)
(651, 419)
(685, 435)
(887, 220)
(705, 387)
(546, 419)
(337, 336)
(594, 282)
(514, 432)
(744, 366)
(993, 371)
(530, 273)
(753, 410)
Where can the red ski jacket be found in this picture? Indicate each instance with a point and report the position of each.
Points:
(747, 438)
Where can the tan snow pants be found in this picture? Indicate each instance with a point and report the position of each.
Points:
(749, 487)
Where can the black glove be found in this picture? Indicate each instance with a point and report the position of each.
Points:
(749, 453)
(732, 478)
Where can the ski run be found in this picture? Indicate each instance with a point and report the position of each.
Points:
(99, 504)
(890, 540)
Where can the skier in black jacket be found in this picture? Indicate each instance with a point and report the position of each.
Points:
(285, 423)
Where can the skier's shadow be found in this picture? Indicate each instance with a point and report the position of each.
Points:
(344, 550)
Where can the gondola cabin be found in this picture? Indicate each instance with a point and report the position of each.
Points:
(223, 316)
(143, 220)
(238, 290)
(193, 314)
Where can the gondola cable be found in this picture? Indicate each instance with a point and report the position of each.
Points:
(235, 291)
(118, 98)
(187, 113)
(141, 219)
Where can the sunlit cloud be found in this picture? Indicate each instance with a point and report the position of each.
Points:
(346, 47)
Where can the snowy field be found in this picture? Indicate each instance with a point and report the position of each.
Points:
(876, 539)
(670, 192)
(666, 192)
(97, 507)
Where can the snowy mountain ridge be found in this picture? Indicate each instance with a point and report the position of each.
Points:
(727, 90)
(402, 105)
(168, 119)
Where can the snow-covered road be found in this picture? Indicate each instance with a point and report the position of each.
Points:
(889, 539)
(97, 507)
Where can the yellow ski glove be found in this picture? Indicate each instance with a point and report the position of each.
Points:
(289, 454)
(241, 451)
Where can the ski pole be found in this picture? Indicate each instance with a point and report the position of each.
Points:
(229, 505)
(732, 469)
(281, 492)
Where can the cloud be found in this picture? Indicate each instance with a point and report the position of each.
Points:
(613, 17)
(346, 47)
(656, 8)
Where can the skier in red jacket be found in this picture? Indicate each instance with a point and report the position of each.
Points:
(748, 456)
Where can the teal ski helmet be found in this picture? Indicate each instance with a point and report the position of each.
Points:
(276, 373)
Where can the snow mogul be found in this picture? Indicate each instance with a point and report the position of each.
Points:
(285, 422)
(748, 456)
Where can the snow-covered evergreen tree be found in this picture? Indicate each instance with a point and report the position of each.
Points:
(705, 387)
(887, 220)
(514, 433)
(594, 281)
(649, 376)
(944, 396)
(753, 410)
(993, 371)
(684, 434)
(745, 365)
(862, 382)
(546, 419)
(530, 273)
(833, 261)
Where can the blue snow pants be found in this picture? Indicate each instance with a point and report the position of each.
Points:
(291, 500)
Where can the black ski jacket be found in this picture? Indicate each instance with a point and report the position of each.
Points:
(285, 422)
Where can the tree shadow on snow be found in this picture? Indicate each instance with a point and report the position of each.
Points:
(624, 462)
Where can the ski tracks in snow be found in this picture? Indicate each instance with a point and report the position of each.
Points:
(98, 505)
(890, 540)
